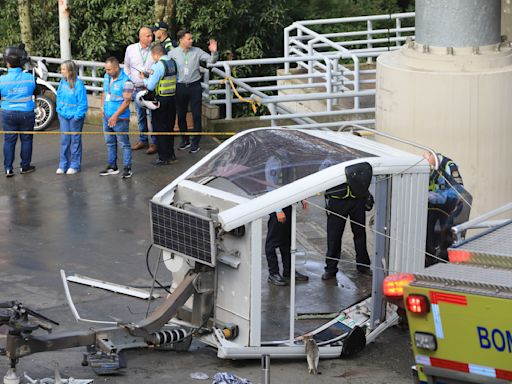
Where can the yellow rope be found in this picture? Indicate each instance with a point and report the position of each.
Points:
(244, 100)
(120, 133)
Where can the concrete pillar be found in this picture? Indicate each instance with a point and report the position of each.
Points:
(458, 23)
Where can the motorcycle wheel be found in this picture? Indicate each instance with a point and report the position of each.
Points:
(45, 112)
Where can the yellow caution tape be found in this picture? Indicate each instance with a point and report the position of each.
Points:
(243, 99)
(120, 133)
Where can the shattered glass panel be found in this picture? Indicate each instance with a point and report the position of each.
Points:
(264, 160)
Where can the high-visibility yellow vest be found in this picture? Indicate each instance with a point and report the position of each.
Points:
(167, 85)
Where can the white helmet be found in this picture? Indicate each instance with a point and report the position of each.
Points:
(144, 102)
(41, 70)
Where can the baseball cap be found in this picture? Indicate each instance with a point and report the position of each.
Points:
(160, 25)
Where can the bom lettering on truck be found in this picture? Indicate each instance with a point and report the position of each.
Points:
(500, 340)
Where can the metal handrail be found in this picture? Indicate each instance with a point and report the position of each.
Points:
(329, 68)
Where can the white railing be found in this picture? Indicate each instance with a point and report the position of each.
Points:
(335, 67)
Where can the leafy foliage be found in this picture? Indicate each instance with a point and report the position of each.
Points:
(99, 28)
(246, 28)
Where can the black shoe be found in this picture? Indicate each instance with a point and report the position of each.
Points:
(277, 279)
(127, 173)
(298, 277)
(364, 270)
(184, 146)
(9, 173)
(159, 162)
(28, 169)
(328, 275)
(110, 170)
(194, 150)
(173, 159)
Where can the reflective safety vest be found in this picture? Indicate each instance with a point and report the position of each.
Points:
(342, 191)
(17, 91)
(167, 84)
(447, 169)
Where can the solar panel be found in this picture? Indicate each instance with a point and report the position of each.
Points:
(183, 233)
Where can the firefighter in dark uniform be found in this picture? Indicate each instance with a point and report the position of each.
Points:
(341, 203)
(444, 204)
(162, 81)
(279, 230)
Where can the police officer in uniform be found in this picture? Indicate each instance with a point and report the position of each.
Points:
(341, 203)
(162, 82)
(279, 230)
(161, 31)
(444, 203)
(17, 90)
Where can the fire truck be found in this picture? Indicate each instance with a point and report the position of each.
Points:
(460, 313)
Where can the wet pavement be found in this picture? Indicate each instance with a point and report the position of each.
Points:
(99, 227)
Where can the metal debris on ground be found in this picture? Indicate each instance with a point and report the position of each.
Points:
(228, 378)
(199, 376)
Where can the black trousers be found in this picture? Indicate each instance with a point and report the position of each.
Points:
(185, 95)
(163, 120)
(279, 236)
(353, 209)
(439, 238)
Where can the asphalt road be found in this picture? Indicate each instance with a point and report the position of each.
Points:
(99, 227)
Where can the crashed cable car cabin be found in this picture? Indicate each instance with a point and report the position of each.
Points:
(208, 223)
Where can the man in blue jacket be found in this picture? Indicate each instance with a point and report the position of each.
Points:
(115, 100)
(17, 102)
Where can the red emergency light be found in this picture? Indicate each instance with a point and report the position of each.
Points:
(417, 304)
(393, 285)
(458, 256)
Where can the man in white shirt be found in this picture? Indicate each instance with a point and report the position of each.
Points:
(137, 60)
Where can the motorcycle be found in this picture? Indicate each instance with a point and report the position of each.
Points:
(45, 105)
(45, 108)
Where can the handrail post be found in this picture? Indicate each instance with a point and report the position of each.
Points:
(356, 80)
(287, 48)
(206, 80)
(273, 112)
(369, 36)
(398, 31)
(229, 97)
(328, 84)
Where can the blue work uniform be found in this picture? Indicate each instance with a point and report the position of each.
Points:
(71, 108)
(17, 104)
(113, 98)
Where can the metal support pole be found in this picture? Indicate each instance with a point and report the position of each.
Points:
(381, 255)
(328, 83)
(265, 369)
(65, 42)
(293, 251)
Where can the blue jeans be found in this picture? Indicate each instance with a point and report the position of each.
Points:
(70, 145)
(142, 123)
(123, 140)
(17, 121)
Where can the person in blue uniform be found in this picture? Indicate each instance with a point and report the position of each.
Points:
(115, 102)
(71, 109)
(17, 103)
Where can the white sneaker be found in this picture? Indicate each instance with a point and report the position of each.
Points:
(59, 171)
(71, 171)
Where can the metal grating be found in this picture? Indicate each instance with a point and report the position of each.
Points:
(183, 233)
(496, 242)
